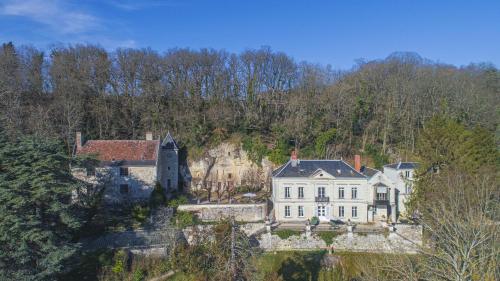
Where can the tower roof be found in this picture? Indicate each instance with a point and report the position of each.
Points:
(169, 142)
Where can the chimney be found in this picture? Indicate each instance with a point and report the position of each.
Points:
(357, 163)
(79, 140)
(294, 159)
(149, 135)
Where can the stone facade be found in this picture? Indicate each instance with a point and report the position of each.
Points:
(241, 212)
(168, 164)
(130, 169)
(228, 163)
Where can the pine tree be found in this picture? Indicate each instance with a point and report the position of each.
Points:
(37, 219)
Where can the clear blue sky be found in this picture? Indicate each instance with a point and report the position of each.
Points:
(327, 32)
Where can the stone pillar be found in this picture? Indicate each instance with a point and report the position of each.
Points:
(308, 231)
(393, 212)
(268, 226)
(349, 231)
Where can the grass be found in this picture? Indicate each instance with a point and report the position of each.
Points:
(291, 266)
(286, 266)
(286, 233)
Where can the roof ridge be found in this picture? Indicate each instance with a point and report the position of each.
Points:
(282, 168)
(359, 173)
(123, 140)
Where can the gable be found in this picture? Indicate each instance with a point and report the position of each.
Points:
(321, 174)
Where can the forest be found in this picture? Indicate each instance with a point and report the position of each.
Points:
(273, 102)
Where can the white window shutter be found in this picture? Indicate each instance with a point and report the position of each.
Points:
(315, 211)
(328, 211)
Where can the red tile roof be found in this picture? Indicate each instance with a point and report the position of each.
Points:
(115, 150)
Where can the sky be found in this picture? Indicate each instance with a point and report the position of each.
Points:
(333, 32)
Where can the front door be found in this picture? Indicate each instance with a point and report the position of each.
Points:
(322, 213)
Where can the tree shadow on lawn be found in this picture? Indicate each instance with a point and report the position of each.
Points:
(301, 266)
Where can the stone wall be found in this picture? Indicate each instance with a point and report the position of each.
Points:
(406, 239)
(215, 212)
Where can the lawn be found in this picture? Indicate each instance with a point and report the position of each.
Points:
(302, 266)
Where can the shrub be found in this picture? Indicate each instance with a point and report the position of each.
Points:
(157, 197)
(119, 265)
(286, 233)
(314, 221)
(140, 213)
(139, 275)
(327, 236)
(184, 219)
(174, 203)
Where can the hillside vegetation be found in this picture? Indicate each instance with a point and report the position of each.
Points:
(269, 100)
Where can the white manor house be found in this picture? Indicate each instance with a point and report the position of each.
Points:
(334, 190)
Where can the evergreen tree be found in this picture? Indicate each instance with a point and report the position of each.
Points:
(37, 218)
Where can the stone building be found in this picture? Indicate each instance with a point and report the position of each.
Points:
(131, 167)
(334, 190)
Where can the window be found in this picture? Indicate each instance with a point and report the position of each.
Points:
(321, 192)
(301, 211)
(123, 188)
(321, 211)
(168, 168)
(354, 193)
(301, 192)
(341, 211)
(408, 188)
(229, 175)
(382, 196)
(169, 184)
(287, 212)
(341, 193)
(407, 174)
(90, 171)
(354, 212)
(123, 171)
(287, 191)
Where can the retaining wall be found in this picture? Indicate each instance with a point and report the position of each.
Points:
(241, 212)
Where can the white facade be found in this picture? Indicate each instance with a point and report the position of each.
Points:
(299, 194)
(402, 177)
(324, 196)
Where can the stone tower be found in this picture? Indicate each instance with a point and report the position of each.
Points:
(168, 168)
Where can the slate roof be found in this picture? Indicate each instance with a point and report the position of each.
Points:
(169, 142)
(403, 165)
(368, 172)
(134, 152)
(305, 168)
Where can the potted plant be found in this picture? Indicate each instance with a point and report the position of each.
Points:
(314, 221)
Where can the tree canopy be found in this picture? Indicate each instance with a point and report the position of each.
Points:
(38, 219)
(206, 96)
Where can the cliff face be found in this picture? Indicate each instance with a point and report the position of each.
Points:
(229, 164)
